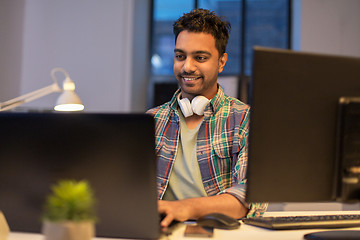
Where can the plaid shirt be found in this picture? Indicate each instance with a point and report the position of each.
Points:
(221, 146)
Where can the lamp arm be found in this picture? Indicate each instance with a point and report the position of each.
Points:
(30, 97)
(58, 69)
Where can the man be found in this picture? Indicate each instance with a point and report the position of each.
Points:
(201, 146)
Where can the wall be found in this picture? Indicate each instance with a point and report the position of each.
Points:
(331, 26)
(141, 56)
(93, 40)
(11, 34)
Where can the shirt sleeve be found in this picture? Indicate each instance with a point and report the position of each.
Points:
(238, 188)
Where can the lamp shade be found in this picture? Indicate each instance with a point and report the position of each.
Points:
(68, 101)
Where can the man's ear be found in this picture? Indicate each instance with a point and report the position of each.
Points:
(222, 62)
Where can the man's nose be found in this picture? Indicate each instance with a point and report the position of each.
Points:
(189, 65)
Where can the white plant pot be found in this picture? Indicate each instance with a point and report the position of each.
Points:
(68, 230)
(4, 227)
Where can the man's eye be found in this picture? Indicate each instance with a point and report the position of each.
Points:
(179, 57)
(201, 58)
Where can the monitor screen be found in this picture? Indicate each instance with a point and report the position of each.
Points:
(293, 140)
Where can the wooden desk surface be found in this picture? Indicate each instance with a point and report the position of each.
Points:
(245, 232)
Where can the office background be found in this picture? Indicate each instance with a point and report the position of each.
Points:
(105, 47)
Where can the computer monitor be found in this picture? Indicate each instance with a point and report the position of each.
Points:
(294, 147)
(115, 153)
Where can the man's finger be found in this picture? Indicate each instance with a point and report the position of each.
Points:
(167, 220)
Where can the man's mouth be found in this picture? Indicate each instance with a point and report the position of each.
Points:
(189, 79)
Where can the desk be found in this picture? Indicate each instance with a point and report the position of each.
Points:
(245, 232)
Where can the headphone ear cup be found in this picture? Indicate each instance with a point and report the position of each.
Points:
(198, 105)
(185, 107)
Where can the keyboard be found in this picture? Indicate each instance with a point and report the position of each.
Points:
(305, 222)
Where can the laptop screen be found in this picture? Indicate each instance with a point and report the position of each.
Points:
(113, 152)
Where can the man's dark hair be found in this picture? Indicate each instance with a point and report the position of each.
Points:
(202, 20)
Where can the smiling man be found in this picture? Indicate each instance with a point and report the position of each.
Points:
(201, 134)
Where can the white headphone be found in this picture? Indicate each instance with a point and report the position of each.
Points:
(196, 106)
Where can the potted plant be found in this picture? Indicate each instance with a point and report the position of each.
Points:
(69, 212)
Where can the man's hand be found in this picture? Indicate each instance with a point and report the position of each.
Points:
(173, 210)
(193, 208)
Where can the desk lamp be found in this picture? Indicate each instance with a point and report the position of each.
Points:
(67, 101)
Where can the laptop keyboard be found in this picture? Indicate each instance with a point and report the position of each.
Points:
(305, 222)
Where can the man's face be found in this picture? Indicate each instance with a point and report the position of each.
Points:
(197, 64)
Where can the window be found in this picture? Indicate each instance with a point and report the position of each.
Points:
(267, 23)
(253, 22)
(165, 13)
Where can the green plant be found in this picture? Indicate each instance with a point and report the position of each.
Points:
(70, 201)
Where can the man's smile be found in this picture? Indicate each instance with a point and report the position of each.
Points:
(190, 78)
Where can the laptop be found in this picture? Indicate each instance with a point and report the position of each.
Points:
(113, 152)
